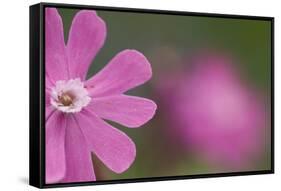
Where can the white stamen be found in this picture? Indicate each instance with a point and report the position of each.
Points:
(70, 96)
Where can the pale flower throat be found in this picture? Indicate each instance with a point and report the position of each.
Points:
(70, 96)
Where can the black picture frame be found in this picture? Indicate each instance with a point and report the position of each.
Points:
(37, 95)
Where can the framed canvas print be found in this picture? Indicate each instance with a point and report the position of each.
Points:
(126, 95)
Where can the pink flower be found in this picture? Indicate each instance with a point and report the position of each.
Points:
(215, 113)
(75, 106)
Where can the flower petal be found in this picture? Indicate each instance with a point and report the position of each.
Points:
(113, 147)
(49, 109)
(79, 167)
(56, 61)
(86, 37)
(48, 82)
(126, 70)
(127, 110)
(55, 152)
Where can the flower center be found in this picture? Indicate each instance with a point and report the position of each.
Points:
(65, 99)
(69, 96)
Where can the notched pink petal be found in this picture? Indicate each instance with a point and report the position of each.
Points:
(55, 151)
(113, 147)
(86, 37)
(127, 110)
(79, 167)
(125, 71)
(56, 61)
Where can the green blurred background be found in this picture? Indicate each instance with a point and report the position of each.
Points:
(166, 40)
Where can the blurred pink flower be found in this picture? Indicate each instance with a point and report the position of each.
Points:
(75, 106)
(215, 114)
